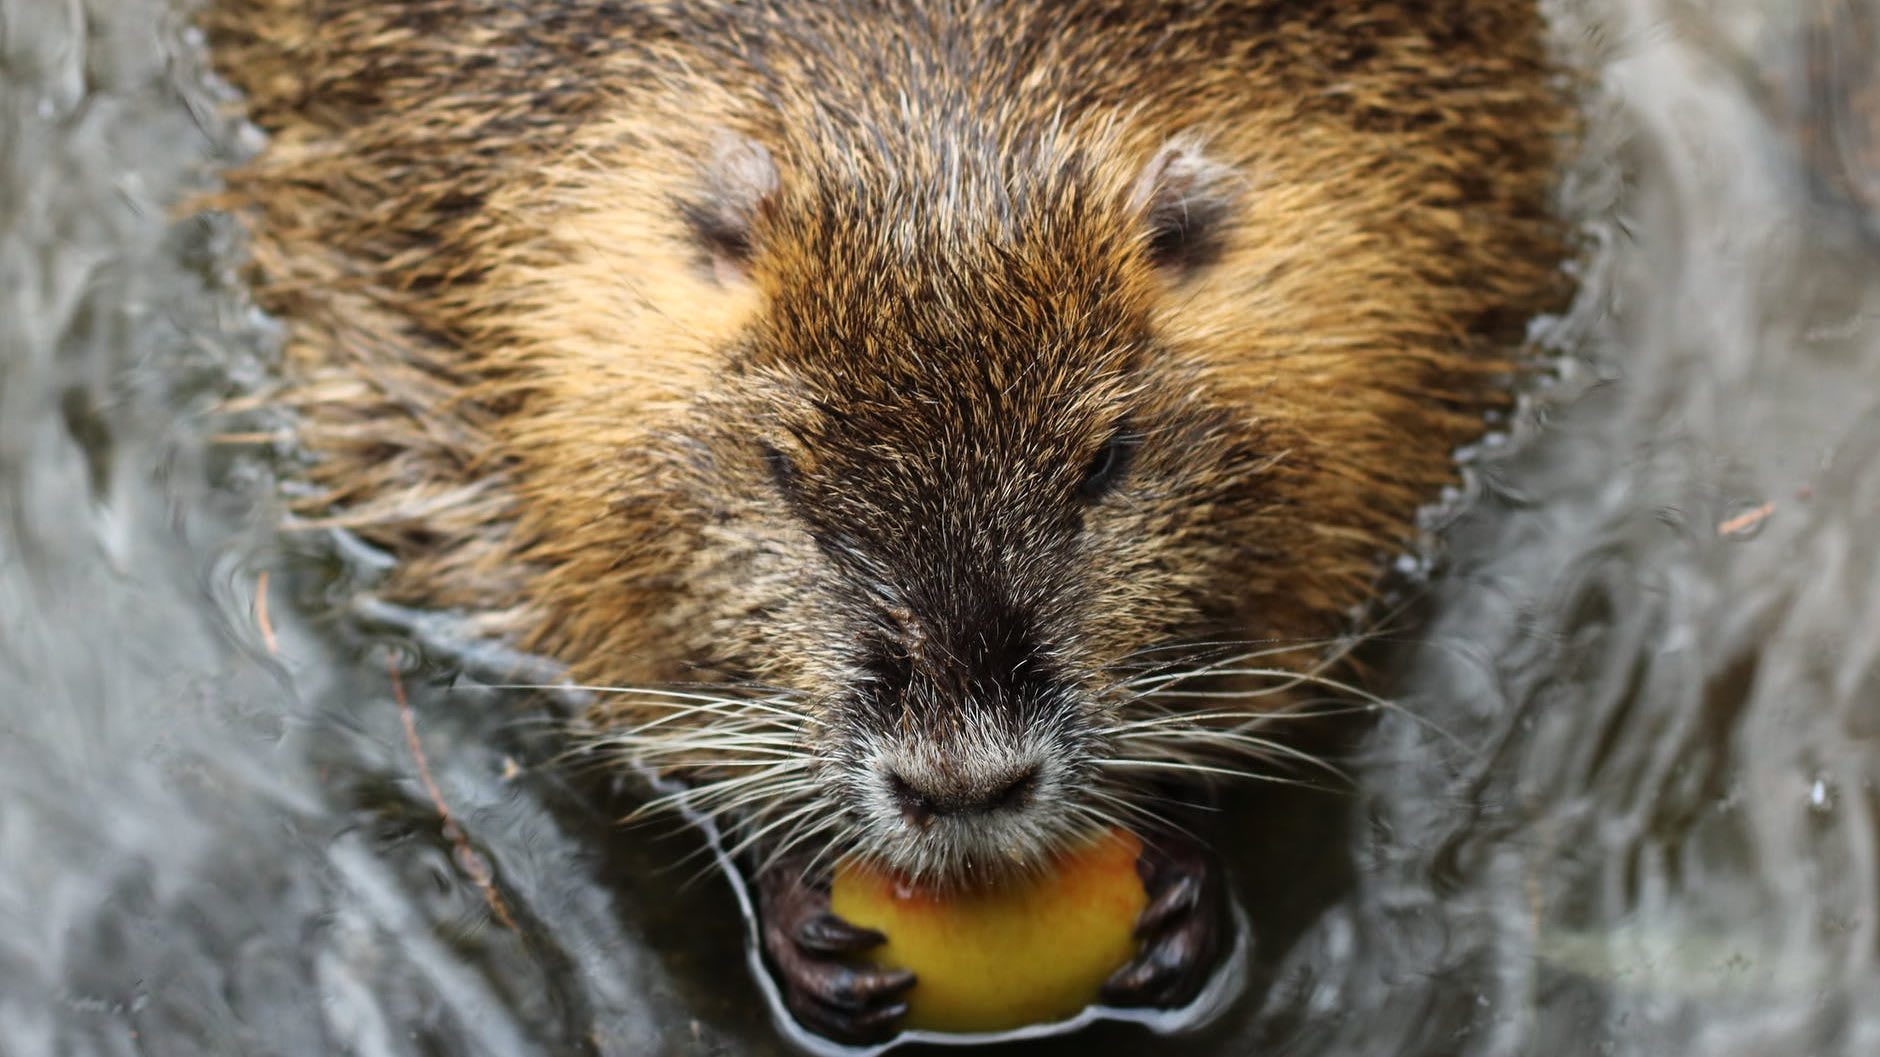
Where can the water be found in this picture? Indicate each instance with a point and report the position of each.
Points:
(1629, 806)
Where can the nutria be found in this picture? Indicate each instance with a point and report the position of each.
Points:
(911, 401)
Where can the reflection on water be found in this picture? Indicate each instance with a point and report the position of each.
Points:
(1628, 806)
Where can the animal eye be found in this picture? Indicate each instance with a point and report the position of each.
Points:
(782, 471)
(1108, 465)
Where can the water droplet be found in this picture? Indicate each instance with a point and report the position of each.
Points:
(1821, 796)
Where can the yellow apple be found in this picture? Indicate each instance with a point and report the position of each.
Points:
(1032, 950)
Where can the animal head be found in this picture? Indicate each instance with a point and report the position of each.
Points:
(965, 479)
(902, 405)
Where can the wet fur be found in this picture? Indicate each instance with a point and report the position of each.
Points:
(847, 467)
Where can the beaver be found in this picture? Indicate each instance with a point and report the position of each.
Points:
(939, 427)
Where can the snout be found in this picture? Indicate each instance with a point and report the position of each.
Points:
(924, 794)
(946, 808)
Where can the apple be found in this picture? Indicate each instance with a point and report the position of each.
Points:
(1034, 949)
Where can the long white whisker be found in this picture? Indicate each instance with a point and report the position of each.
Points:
(1175, 717)
(694, 796)
(795, 840)
(744, 843)
(1217, 665)
(1287, 680)
(646, 691)
(1269, 749)
(1200, 768)
(655, 751)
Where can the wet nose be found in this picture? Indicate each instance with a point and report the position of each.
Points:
(923, 800)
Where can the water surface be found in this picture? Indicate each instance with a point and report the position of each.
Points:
(1627, 805)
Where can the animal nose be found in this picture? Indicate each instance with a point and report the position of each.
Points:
(922, 801)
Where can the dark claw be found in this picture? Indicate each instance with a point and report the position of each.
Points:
(810, 948)
(873, 1026)
(1180, 930)
(827, 934)
(851, 990)
(1180, 897)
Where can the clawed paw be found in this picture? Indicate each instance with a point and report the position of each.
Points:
(813, 952)
(1180, 930)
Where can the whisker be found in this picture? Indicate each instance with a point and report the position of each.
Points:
(793, 841)
(1267, 748)
(1147, 816)
(771, 704)
(747, 712)
(651, 752)
(650, 691)
(1293, 679)
(1218, 645)
(695, 797)
(845, 837)
(748, 840)
(1176, 717)
(1133, 809)
(672, 726)
(1288, 679)
(1215, 665)
(1185, 767)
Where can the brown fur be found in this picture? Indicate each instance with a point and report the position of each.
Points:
(523, 371)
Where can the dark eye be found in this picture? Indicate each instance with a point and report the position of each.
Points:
(782, 471)
(1109, 464)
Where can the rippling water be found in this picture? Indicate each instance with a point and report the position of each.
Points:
(1628, 807)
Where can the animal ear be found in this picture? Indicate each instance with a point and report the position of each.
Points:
(741, 186)
(1184, 201)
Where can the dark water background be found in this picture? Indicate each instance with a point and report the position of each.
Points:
(1634, 813)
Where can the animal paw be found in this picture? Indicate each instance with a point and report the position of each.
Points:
(1180, 931)
(813, 954)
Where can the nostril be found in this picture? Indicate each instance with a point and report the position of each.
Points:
(1015, 793)
(915, 805)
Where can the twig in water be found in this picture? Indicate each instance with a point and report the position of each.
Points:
(467, 857)
(261, 615)
(1743, 522)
